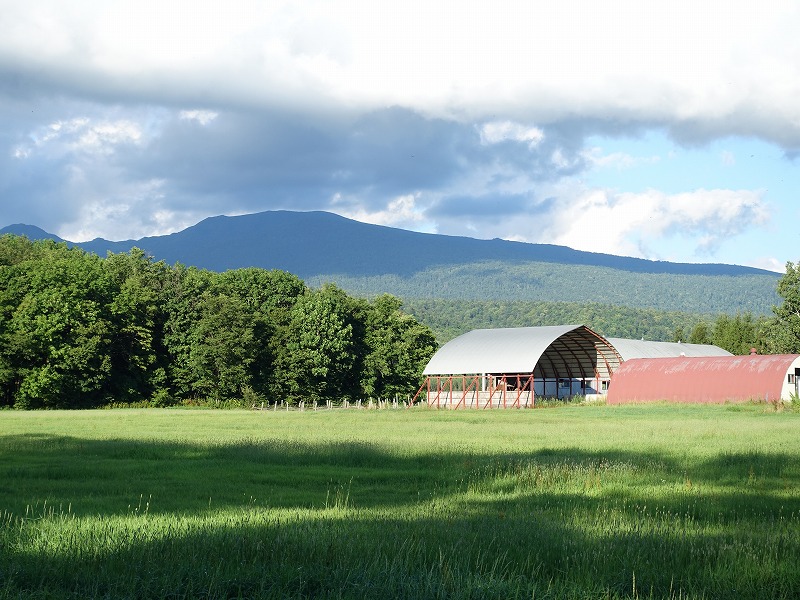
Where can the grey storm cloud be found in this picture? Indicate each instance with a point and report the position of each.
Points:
(143, 118)
(283, 158)
(476, 207)
(261, 157)
(141, 160)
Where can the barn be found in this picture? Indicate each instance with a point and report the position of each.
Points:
(511, 367)
(710, 379)
(504, 368)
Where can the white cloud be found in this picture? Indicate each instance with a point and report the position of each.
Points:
(132, 210)
(769, 263)
(80, 134)
(103, 137)
(204, 117)
(617, 160)
(495, 132)
(713, 68)
(563, 162)
(632, 224)
(399, 212)
(286, 104)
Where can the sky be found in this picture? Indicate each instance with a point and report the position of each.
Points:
(667, 130)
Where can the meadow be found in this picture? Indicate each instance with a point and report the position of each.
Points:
(657, 501)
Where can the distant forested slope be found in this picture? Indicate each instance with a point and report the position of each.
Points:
(553, 282)
(450, 318)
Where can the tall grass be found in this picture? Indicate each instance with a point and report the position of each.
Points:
(577, 502)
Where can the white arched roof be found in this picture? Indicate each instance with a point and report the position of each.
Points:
(553, 351)
(629, 349)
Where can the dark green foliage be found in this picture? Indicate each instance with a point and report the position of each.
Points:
(779, 334)
(738, 334)
(56, 329)
(450, 318)
(78, 331)
(224, 346)
(321, 347)
(700, 334)
(787, 328)
(399, 347)
(137, 355)
(273, 293)
(579, 283)
(182, 306)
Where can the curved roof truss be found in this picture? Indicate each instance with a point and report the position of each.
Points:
(578, 354)
(562, 351)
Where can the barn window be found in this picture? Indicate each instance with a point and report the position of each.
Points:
(791, 378)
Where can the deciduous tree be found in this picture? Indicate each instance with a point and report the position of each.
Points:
(787, 334)
(398, 349)
(320, 345)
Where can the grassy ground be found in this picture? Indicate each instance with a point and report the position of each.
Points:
(575, 502)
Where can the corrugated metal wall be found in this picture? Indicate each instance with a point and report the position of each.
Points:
(713, 379)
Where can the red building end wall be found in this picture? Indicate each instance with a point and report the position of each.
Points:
(714, 379)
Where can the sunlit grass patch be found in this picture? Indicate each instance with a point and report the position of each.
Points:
(575, 502)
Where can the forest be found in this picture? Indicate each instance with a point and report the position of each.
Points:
(736, 333)
(80, 331)
(553, 282)
(449, 318)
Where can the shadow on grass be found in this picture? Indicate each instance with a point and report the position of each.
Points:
(492, 549)
(358, 520)
(118, 476)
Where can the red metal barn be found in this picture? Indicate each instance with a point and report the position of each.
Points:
(710, 379)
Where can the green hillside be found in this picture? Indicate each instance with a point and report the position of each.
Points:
(451, 318)
(553, 282)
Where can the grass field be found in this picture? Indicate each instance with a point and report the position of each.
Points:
(655, 501)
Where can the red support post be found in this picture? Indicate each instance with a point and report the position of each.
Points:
(419, 391)
(450, 396)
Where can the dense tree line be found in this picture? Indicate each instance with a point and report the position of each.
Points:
(553, 282)
(450, 318)
(80, 331)
(775, 334)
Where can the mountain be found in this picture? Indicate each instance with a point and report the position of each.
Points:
(30, 231)
(317, 243)
(370, 259)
